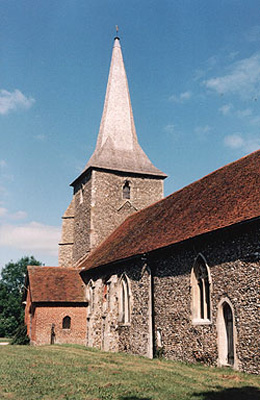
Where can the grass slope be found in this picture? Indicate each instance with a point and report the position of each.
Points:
(76, 372)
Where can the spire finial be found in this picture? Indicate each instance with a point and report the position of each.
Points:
(117, 29)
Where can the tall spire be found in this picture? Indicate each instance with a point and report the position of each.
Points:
(117, 146)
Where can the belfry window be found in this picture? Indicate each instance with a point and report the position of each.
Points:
(124, 301)
(200, 286)
(126, 190)
(66, 322)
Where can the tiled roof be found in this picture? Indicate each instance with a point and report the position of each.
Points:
(55, 284)
(225, 197)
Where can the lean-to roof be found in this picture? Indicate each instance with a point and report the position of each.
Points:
(55, 284)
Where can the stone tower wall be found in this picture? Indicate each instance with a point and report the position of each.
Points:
(103, 207)
(67, 237)
(82, 219)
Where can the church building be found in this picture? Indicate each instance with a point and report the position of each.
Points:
(176, 277)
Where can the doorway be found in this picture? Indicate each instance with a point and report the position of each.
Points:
(228, 318)
(226, 334)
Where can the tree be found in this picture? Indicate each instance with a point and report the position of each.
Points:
(11, 288)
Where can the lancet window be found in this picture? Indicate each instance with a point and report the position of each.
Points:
(124, 301)
(200, 285)
(126, 190)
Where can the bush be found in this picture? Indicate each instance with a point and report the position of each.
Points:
(20, 337)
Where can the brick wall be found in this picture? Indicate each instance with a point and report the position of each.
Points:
(45, 315)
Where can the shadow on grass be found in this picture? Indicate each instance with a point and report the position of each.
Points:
(135, 398)
(244, 393)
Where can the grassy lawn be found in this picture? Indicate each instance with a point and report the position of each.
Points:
(76, 372)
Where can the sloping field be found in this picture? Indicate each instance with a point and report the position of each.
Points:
(76, 372)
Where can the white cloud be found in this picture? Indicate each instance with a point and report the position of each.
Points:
(172, 131)
(244, 113)
(238, 142)
(225, 109)
(170, 128)
(242, 78)
(234, 141)
(255, 120)
(181, 98)
(41, 138)
(3, 212)
(11, 101)
(31, 237)
(202, 130)
(18, 215)
(3, 191)
(3, 164)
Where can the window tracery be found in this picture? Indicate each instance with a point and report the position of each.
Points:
(201, 287)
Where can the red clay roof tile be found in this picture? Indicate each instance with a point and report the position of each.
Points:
(55, 284)
(227, 196)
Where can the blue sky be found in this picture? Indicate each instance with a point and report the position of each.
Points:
(194, 75)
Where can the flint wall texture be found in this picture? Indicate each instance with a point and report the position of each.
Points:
(103, 207)
(233, 259)
(82, 216)
(232, 256)
(104, 327)
(67, 242)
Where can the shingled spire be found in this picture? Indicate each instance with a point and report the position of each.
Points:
(119, 178)
(117, 146)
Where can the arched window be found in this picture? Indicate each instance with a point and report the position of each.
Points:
(200, 286)
(66, 322)
(126, 190)
(124, 301)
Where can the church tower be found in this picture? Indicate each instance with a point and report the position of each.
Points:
(118, 180)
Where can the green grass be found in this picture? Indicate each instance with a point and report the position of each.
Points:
(76, 372)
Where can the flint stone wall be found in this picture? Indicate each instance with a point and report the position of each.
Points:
(103, 207)
(105, 331)
(232, 256)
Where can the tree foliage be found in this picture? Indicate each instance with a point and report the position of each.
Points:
(11, 288)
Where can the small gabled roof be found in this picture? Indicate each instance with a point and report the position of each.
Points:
(55, 284)
(117, 145)
(225, 197)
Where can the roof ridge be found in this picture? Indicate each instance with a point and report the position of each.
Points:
(226, 196)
